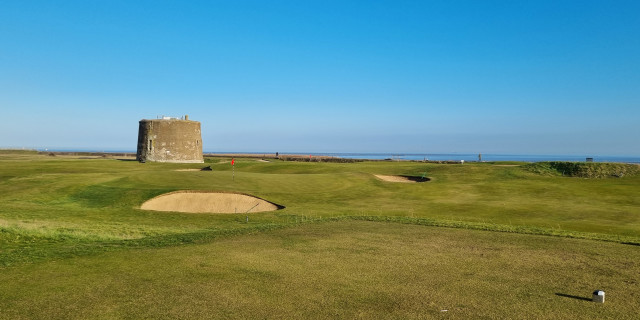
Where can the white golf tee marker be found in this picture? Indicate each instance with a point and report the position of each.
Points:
(598, 296)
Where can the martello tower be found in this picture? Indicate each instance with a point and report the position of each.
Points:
(170, 140)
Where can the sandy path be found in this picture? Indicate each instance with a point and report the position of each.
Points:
(211, 202)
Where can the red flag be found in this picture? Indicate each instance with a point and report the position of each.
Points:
(233, 161)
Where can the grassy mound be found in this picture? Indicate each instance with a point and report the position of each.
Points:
(584, 169)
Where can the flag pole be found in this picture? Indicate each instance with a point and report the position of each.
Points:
(233, 177)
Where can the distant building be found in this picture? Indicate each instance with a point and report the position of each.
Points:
(169, 139)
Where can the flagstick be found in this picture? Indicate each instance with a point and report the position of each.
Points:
(233, 178)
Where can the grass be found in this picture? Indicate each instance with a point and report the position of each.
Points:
(345, 269)
(61, 212)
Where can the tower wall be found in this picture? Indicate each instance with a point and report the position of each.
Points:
(169, 140)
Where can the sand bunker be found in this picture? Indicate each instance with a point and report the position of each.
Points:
(211, 202)
(402, 179)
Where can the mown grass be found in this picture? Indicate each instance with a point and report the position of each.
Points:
(56, 209)
(344, 269)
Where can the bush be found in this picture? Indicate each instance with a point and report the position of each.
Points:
(584, 169)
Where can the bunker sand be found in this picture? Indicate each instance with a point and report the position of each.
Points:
(208, 202)
(401, 179)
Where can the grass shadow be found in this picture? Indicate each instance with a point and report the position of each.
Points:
(417, 179)
(572, 296)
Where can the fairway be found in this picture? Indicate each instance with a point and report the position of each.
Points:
(479, 239)
(337, 270)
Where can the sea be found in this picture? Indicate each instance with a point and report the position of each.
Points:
(470, 157)
(467, 157)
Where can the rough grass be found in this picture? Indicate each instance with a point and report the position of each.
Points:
(584, 169)
(346, 269)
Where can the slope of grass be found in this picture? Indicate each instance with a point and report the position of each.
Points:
(584, 169)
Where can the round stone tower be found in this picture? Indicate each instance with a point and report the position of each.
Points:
(170, 140)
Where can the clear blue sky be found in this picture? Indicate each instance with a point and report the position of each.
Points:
(515, 77)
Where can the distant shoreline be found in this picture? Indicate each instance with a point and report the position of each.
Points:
(448, 157)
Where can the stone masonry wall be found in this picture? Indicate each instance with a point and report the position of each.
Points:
(170, 140)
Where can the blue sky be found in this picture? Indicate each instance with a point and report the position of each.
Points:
(514, 77)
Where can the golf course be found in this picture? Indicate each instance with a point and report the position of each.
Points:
(96, 237)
